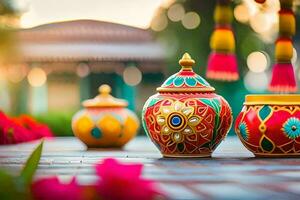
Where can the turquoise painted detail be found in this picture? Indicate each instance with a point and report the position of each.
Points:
(96, 133)
(202, 80)
(292, 128)
(264, 112)
(170, 80)
(191, 81)
(267, 145)
(215, 104)
(178, 81)
(151, 101)
(244, 131)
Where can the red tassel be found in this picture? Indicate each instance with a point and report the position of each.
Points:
(222, 66)
(283, 78)
(260, 1)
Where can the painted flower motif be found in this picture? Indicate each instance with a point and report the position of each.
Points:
(292, 127)
(178, 123)
(244, 130)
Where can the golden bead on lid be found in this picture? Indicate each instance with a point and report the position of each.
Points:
(104, 99)
(186, 80)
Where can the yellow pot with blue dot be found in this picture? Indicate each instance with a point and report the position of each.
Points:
(105, 121)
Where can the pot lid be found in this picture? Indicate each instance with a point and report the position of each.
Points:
(186, 80)
(104, 99)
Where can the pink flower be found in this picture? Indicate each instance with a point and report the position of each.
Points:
(52, 188)
(123, 181)
(117, 182)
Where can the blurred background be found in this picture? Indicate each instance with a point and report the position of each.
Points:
(55, 54)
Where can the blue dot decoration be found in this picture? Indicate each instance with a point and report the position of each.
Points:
(176, 120)
(96, 133)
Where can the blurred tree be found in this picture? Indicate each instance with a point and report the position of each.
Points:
(9, 22)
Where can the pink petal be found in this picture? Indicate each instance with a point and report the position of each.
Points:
(51, 188)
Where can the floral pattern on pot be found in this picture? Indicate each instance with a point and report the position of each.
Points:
(178, 123)
(292, 128)
(186, 118)
(270, 130)
(184, 78)
(187, 126)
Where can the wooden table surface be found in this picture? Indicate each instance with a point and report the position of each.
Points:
(232, 173)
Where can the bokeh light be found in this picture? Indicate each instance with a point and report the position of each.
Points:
(295, 56)
(176, 12)
(241, 13)
(260, 22)
(191, 20)
(37, 77)
(159, 23)
(82, 70)
(132, 76)
(256, 82)
(257, 62)
(16, 73)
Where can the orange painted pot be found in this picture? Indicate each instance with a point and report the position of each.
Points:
(186, 118)
(269, 125)
(105, 121)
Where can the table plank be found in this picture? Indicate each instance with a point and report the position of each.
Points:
(232, 172)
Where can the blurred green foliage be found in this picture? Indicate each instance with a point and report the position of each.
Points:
(18, 187)
(58, 122)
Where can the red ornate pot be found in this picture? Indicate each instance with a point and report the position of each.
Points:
(186, 118)
(269, 125)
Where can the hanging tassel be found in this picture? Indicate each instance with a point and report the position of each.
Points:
(217, 61)
(260, 1)
(283, 76)
(222, 62)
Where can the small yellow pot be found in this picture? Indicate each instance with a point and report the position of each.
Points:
(105, 121)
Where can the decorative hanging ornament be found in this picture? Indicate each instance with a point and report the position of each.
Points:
(260, 1)
(283, 75)
(222, 62)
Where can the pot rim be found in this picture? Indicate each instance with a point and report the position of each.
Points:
(272, 99)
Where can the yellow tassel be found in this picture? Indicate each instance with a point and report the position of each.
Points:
(223, 14)
(287, 24)
(284, 51)
(222, 40)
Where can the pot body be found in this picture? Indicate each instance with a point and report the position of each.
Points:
(105, 127)
(270, 130)
(186, 124)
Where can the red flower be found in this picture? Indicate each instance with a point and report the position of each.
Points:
(52, 188)
(123, 181)
(21, 129)
(37, 129)
(12, 133)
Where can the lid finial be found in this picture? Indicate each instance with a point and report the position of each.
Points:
(104, 89)
(186, 61)
(104, 99)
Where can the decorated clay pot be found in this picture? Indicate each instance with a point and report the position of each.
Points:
(105, 121)
(269, 125)
(186, 118)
